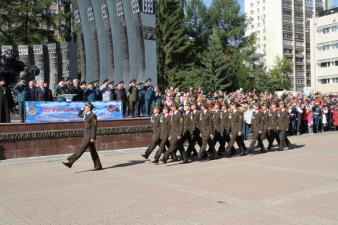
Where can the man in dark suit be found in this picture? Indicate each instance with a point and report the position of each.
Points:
(90, 124)
(40, 92)
(30, 94)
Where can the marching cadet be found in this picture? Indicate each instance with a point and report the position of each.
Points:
(217, 113)
(88, 141)
(273, 133)
(206, 128)
(196, 138)
(236, 121)
(175, 138)
(165, 127)
(188, 127)
(265, 111)
(257, 126)
(283, 126)
(155, 120)
(225, 126)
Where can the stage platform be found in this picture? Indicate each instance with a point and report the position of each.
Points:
(19, 140)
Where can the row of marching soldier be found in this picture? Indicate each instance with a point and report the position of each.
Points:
(215, 129)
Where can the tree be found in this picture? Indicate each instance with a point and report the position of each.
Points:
(174, 49)
(280, 75)
(25, 22)
(225, 17)
(197, 28)
(216, 74)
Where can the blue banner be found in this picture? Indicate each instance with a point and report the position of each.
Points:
(67, 111)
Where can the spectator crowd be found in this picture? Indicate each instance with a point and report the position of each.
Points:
(317, 112)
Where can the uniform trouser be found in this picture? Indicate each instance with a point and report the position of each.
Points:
(283, 140)
(164, 143)
(147, 105)
(195, 138)
(175, 144)
(21, 105)
(206, 140)
(188, 136)
(257, 137)
(226, 138)
(154, 142)
(273, 134)
(218, 138)
(131, 108)
(239, 140)
(86, 144)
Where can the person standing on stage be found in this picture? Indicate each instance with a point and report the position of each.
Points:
(90, 124)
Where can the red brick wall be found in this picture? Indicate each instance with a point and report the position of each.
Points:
(54, 146)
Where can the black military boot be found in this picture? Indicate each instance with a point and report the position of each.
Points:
(68, 164)
(145, 155)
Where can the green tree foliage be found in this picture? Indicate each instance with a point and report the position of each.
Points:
(280, 75)
(174, 48)
(25, 22)
(216, 74)
(197, 28)
(225, 17)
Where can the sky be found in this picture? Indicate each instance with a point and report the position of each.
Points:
(241, 2)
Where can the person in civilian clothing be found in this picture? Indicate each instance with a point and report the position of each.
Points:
(40, 92)
(21, 88)
(148, 97)
(140, 99)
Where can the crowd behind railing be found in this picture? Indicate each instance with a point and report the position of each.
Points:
(316, 112)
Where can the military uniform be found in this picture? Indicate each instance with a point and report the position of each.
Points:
(176, 137)
(283, 126)
(155, 120)
(273, 134)
(217, 117)
(206, 128)
(236, 121)
(225, 127)
(196, 138)
(257, 126)
(90, 125)
(188, 131)
(165, 127)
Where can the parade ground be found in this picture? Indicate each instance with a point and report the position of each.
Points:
(292, 187)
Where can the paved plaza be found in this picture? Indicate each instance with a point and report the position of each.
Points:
(292, 187)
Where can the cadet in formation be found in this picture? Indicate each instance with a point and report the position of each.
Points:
(220, 124)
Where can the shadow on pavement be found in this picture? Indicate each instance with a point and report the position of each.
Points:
(129, 163)
(257, 150)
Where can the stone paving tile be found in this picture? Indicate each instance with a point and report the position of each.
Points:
(298, 187)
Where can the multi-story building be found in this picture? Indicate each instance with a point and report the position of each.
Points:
(282, 30)
(324, 51)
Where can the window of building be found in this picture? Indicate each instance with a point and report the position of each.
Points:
(323, 64)
(335, 80)
(325, 81)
